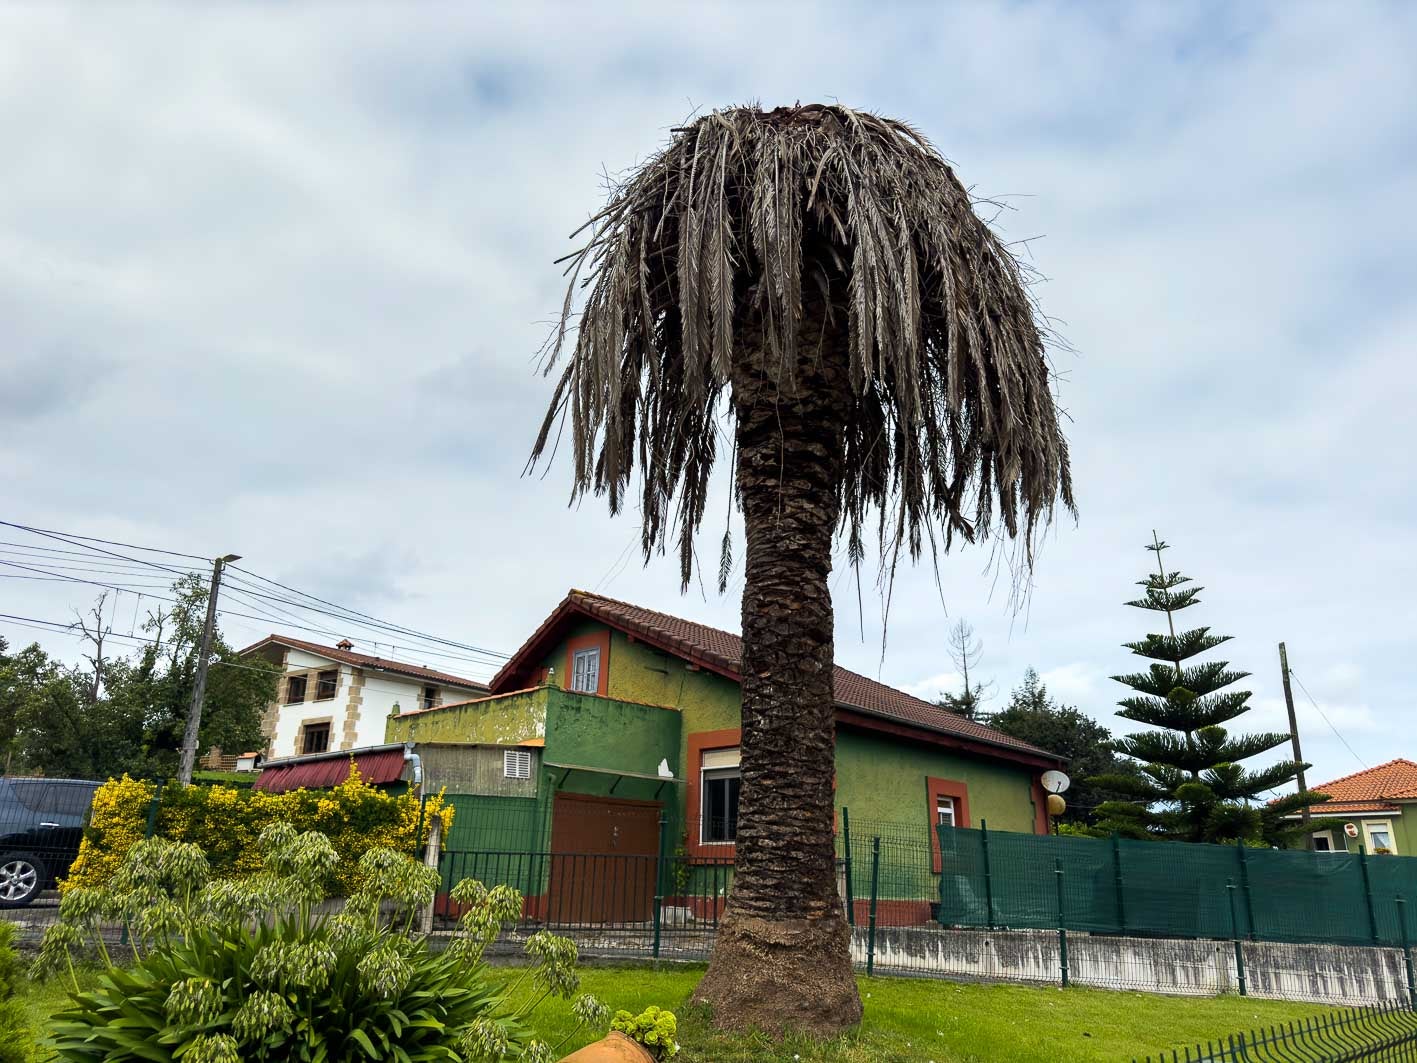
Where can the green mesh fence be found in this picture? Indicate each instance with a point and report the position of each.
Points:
(1171, 889)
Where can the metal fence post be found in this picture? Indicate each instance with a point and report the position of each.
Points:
(659, 883)
(1062, 928)
(1235, 938)
(846, 848)
(1117, 881)
(153, 806)
(988, 875)
(1245, 886)
(1406, 951)
(148, 830)
(418, 841)
(1368, 893)
(875, 889)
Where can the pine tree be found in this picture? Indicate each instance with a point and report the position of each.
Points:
(1192, 786)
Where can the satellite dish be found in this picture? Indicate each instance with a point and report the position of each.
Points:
(1350, 829)
(1055, 782)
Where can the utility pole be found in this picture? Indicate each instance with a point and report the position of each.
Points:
(199, 688)
(1294, 736)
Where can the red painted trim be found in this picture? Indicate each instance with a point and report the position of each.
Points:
(596, 640)
(699, 743)
(934, 790)
(866, 722)
(1040, 808)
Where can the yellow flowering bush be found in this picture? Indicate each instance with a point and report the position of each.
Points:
(226, 823)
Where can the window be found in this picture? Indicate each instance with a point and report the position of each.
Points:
(718, 810)
(516, 764)
(944, 811)
(585, 670)
(1323, 842)
(294, 689)
(430, 696)
(326, 683)
(315, 738)
(1380, 837)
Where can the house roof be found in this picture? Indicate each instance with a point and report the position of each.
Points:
(722, 652)
(377, 765)
(364, 660)
(1371, 790)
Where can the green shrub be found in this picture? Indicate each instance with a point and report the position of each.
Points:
(255, 970)
(654, 1028)
(227, 822)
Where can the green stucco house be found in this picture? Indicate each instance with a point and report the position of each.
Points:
(1378, 806)
(610, 716)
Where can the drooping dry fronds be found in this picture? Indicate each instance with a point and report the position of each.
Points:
(952, 427)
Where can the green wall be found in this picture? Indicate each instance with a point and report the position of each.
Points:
(882, 780)
(1404, 830)
(596, 732)
(503, 721)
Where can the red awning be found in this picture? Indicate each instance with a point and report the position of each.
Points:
(383, 766)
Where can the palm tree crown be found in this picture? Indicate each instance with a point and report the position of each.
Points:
(718, 243)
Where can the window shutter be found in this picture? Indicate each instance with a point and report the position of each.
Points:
(516, 764)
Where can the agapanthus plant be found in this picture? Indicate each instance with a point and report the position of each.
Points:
(265, 968)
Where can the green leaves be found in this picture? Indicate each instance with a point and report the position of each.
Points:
(1197, 789)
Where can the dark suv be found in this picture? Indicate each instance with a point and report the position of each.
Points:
(41, 824)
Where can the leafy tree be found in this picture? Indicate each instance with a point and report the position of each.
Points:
(821, 274)
(62, 721)
(1192, 786)
(1034, 716)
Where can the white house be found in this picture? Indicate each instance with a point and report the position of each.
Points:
(331, 698)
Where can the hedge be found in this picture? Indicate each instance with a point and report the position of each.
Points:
(226, 821)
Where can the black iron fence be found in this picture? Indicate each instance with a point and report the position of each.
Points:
(1381, 1033)
(917, 907)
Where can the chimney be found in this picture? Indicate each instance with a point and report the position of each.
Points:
(344, 644)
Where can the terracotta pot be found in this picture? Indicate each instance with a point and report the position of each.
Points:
(617, 1048)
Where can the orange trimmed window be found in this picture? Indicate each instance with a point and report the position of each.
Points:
(588, 663)
(947, 803)
(714, 781)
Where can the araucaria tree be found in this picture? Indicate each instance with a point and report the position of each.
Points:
(815, 280)
(1191, 785)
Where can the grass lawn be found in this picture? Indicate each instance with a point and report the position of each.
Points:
(907, 1019)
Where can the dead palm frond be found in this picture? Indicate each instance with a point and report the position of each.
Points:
(952, 428)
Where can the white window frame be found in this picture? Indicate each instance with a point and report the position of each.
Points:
(585, 668)
(1327, 835)
(716, 764)
(516, 764)
(1369, 825)
(943, 802)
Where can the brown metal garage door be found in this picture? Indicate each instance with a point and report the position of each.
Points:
(603, 857)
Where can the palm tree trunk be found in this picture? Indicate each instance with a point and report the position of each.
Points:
(782, 957)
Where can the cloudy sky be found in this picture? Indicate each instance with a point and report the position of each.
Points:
(272, 281)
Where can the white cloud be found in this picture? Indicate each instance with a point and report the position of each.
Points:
(272, 280)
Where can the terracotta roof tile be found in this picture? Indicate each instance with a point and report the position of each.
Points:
(1370, 790)
(723, 651)
(364, 660)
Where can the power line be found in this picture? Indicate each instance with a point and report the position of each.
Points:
(66, 536)
(1295, 676)
(413, 632)
(60, 537)
(343, 614)
(59, 628)
(146, 591)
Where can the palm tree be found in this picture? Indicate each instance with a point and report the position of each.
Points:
(819, 274)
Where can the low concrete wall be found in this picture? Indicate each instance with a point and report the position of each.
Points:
(1329, 973)
(1325, 972)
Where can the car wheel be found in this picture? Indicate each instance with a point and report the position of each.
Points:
(21, 879)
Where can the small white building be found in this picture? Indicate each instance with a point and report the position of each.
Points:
(332, 698)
